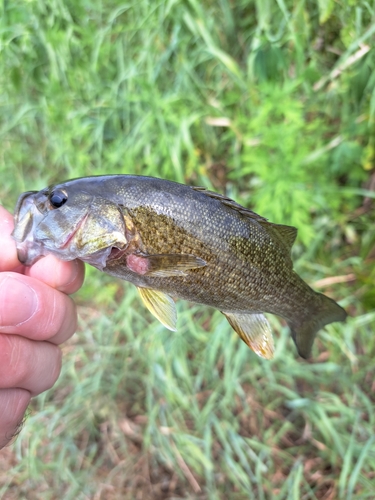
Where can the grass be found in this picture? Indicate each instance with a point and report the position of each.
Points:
(271, 103)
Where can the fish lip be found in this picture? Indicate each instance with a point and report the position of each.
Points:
(20, 202)
(24, 258)
(29, 252)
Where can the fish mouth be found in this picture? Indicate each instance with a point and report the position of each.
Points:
(24, 255)
(30, 250)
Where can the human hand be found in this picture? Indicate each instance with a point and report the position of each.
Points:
(36, 316)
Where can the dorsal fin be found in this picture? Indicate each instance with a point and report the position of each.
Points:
(228, 202)
(286, 234)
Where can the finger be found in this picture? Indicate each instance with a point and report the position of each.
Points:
(64, 276)
(8, 258)
(13, 404)
(26, 364)
(32, 309)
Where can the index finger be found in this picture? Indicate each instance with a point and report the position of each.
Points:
(8, 259)
(64, 276)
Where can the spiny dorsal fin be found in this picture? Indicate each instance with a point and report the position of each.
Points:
(228, 202)
(285, 234)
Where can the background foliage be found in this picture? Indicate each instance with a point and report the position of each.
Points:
(271, 102)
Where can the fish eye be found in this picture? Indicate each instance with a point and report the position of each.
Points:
(58, 198)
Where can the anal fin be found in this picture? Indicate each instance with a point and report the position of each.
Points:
(161, 305)
(255, 331)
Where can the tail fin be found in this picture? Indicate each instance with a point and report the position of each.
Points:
(304, 333)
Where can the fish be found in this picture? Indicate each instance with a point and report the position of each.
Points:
(174, 241)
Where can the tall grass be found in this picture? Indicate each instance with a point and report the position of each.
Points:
(272, 103)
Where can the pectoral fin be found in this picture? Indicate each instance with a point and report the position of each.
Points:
(161, 305)
(255, 331)
(165, 265)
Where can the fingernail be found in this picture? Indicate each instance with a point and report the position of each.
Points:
(18, 302)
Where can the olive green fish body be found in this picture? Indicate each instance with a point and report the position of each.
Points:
(173, 240)
(233, 278)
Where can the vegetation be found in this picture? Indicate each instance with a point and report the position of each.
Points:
(271, 102)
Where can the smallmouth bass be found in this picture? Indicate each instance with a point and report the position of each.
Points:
(176, 241)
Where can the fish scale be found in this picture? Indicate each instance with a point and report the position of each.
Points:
(175, 241)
